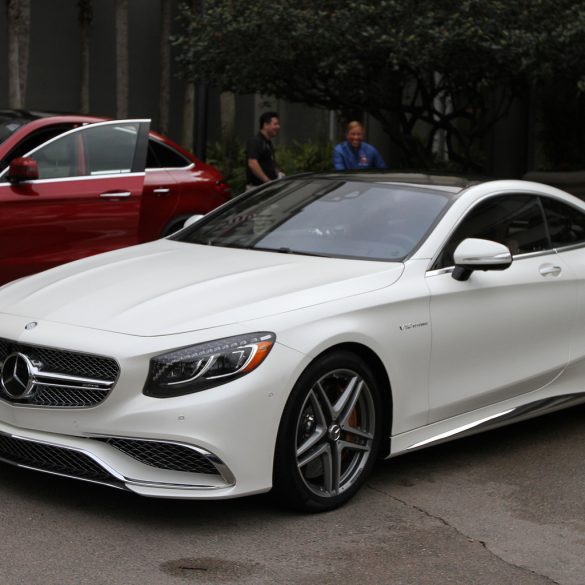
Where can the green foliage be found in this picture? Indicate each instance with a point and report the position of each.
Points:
(303, 157)
(394, 59)
(229, 159)
(297, 158)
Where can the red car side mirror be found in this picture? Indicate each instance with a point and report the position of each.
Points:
(23, 169)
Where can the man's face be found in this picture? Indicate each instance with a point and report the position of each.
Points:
(271, 128)
(355, 137)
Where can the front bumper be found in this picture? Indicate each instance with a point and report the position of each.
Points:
(154, 465)
(217, 443)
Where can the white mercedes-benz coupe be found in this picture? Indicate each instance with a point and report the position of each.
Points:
(297, 333)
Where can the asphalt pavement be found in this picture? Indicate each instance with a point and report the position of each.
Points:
(504, 507)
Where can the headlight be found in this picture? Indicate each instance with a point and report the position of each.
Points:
(205, 365)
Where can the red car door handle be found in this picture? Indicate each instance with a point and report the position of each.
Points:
(116, 194)
(161, 191)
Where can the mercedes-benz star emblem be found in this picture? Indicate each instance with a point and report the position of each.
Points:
(17, 376)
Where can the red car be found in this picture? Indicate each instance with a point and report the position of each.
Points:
(72, 186)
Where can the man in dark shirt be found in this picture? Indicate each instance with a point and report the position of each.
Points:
(260, 162)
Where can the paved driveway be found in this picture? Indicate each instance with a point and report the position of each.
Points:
(499, 508)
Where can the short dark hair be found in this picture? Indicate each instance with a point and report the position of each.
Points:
(266, 118)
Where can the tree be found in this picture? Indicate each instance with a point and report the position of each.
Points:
(417, 66)
(85, 14)
(165, 65)
(18, 12)
(191, 7)
(122, 66)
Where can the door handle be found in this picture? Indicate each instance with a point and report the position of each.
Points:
(550, 270)
(161, 191)
(115, 194)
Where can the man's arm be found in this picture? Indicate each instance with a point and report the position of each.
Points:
(256, 169)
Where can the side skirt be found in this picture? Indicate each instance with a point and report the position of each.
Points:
(466, 425)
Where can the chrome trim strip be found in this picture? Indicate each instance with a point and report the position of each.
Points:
(512, 415)
(80, 178)
(56, 473)
(515, 258)
(223, 469)
(175, 486)
(168, 169)
(70, 381)
(570, 248)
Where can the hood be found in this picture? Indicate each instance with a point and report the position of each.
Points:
(168, 287)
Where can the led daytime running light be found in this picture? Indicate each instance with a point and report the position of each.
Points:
(204, 365)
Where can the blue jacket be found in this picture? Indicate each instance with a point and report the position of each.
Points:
(367, 157)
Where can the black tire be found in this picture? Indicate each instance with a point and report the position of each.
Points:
(329, 434)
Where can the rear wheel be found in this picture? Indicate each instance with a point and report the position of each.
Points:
(329, 434)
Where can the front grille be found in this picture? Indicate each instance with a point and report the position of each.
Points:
(64, 361)
(65, 397)
(51, 458)
(163, 455)
(95, 375)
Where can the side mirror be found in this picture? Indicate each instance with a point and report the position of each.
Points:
(475, 254)
(192, 220)
(22, 169)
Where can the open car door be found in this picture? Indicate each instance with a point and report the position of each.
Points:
(81, 195)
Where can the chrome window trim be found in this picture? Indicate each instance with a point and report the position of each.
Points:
(168, 169)
(115, 175)
(569, 248)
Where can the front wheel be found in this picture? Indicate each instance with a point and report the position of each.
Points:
(329, 434)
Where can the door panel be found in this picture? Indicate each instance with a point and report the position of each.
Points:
(499, 334)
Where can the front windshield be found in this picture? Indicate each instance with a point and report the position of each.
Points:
(325, 217)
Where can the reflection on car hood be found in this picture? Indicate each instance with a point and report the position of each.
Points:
(168, 287)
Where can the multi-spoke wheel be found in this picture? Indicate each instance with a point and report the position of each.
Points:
(328, 437)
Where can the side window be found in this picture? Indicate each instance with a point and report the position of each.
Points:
(59, 159)
(161, 156)
(91, 150)
(516, 221)
(33, 140)
(110, 149)
(566, 224)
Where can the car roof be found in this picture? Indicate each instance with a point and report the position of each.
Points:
(449, 183)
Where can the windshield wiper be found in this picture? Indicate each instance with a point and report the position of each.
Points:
(285, 250)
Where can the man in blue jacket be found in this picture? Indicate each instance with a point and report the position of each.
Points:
(354, 153)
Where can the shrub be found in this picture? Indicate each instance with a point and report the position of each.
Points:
(298, 157)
